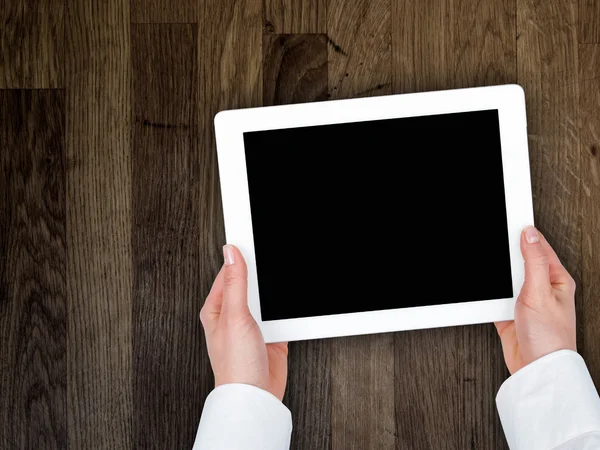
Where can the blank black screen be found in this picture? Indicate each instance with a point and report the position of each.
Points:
(378, 215)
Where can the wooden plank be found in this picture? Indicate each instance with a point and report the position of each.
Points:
(419, 34)
(359, 48)
(43, 44)
(229, 62)
(589, 107)
(308, 393)
(457, 44)
(362, 373)
(481, 372)
(166, 350)
(483, 49)
(295, 70)
(362, 392)
(295, 16)
(164, 11)
(33, 305)
(11, 14)
(428, 391)
(547, 69)
(589, 21)
(445, 45)
(31, 44)
(99, 273)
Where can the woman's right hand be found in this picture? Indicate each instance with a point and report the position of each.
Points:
(545, 309)
(236, 347)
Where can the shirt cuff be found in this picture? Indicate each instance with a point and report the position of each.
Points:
(240, 416)
(548, 402)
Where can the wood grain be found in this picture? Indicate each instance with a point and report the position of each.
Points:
(294, 68)
(428, 391)
(33, 304)
(229, 63)
(589, 21)
(419, 34)
(11, 18)
(99, 276)
(166, 348)
(362, 392)
(445, 45)
(164, 11)
(589, 107)
(481, 374)
(295, 16)
(457, 43)
(230, 58)
(308, 393)
(483, 47)
(31, 44)
(547, 70)
(359, 48)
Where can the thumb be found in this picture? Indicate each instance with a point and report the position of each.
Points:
(235, 285)
(537, 264)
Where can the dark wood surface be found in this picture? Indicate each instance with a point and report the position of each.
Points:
(31, 44)
(111, 222)
(33, 289)
(165, 239)
(589, 21)
(295, 16)
(99, 223)
(164, 11)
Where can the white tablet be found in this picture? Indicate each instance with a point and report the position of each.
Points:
(378, 214)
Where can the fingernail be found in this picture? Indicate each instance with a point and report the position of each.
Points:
(228, 255)
(532, 235)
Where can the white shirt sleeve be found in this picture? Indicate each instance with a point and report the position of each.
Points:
(240, 417)
(551, 404)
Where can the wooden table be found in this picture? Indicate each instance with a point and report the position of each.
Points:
(110, 215)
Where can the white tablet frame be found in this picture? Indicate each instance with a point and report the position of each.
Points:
(509, 100)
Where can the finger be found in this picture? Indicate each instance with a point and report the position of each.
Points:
(559, 276)
(278, 355)
(510, 345)
(537, 265)
(209, 314)
(280, 347)
(501, 326)
(235, 286)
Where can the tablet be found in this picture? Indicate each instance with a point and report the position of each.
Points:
(378, 214)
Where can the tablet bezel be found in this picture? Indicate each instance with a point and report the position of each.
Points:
(509, 100)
